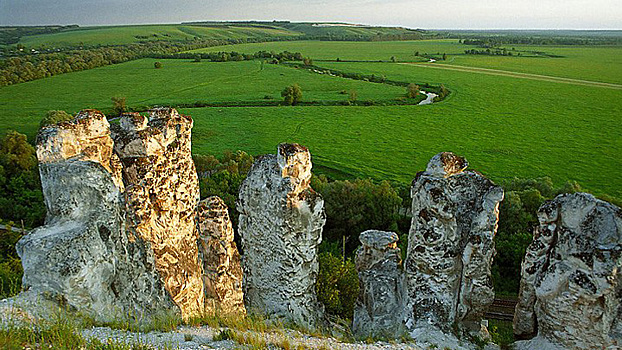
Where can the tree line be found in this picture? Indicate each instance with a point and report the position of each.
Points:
(222, 56)
(27, 67)
(536, 40)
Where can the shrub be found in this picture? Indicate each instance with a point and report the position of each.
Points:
(337, 285)
(118, 105)
(157, 65)
(55, 117)
(352, 97)
(412, 90)
(355, 206)
(21, 197)
(292, 95)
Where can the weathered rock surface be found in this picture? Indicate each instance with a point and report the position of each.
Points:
(222, 272)
(571, 281)
(450, 247)
(281, 220)
(380, 307)
(83, 256)
(161, 195)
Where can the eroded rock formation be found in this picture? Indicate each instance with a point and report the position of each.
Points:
(120, 236)
(380, 307)
(161, 195)
(571, 280)
(450, 247)
(281, 220)
(83, 256)
(222, 272)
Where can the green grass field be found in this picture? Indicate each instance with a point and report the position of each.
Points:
(503, 133)
(130, 34)
(351, 50)
(178, 82)
(578, 62)
(506, 126)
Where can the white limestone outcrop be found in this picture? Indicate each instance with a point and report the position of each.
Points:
(450, 247)
(381, 305)
(83, 256)
(281, 220)
(571, 281)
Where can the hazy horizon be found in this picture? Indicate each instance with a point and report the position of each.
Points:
(451, 14)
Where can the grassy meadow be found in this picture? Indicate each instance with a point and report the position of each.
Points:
(506, 126)
(119, 35)
(597, 63)
(177, 82)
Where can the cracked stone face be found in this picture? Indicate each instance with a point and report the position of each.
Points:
(161, 196)
(380, 307)
(450, 247)
(120, 236)
(83, 255)
(571, 289)
(281, 220)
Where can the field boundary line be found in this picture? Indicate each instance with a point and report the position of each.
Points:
(511, 74)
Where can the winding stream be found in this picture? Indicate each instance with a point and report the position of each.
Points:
(428, 100)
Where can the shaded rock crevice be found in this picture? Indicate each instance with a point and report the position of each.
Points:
(222, 270)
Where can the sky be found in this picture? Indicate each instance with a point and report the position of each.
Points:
(437, 14)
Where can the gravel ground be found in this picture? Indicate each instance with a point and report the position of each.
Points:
(195, 338)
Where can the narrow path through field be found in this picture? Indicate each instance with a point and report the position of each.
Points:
(506, 73)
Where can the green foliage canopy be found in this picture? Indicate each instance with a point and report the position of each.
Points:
(292, 95)
(55, 117)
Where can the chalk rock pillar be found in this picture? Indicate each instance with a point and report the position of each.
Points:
(380, 308)
(161, 194)
(571, 280)
(450, 246)
(281, 220)
(222, 272)
(82, 257)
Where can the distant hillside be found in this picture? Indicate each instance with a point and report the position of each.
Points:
(74, 36)
(122, 35)
(332, 30)
(540, 37)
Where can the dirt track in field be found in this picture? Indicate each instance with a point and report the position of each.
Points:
(505, 73)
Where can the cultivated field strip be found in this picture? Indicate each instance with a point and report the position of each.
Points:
(518, 75)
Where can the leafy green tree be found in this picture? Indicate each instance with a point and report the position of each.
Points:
(352, 96)
(292, 95)
(21, 198)
(337, 285)
(118, 105)
(355, 206)
(412, 90)
(55, 117)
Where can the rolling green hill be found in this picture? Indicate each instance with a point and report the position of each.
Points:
(119, 35)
